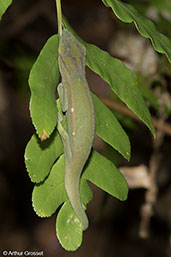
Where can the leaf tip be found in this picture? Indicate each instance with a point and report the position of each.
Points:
(128, 155)
(43, 136)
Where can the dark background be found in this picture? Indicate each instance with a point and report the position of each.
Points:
(24, 30)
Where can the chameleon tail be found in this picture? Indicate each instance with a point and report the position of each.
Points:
(72, 185)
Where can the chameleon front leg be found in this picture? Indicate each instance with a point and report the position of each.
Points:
(62, 92)
(65, 138)
(64, 135)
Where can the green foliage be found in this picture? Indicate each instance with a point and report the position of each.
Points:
(122, 81)
(104, 174)
(44, 157)
(50, 194)
(40, 156)
(109, 129)
(4, 4)
(44, 77)
(158, 10)
(146, 28)
(69, 228)
(157, 4)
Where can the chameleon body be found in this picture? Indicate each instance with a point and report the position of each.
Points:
(76, 101)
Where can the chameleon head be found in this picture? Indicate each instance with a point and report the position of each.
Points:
(71, 52)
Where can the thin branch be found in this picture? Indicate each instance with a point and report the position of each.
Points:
(164, 126)
(59, 16)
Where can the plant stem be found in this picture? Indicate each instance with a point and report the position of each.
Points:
(59, 15)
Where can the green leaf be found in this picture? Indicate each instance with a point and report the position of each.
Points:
(68, 228)
(146, 28)
(119, 77)
(111, 154)
(4, 4)
(104, 174)
(48, 195)
(122, 81)
(40, 156)
(85, 191)
(109, 129)
(43, 80)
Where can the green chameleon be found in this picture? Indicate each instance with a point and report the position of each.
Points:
(76, 102)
